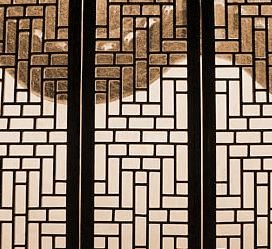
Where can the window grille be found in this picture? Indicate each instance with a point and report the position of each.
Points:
(132, 124)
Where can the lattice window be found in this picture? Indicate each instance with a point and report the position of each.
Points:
(102, 144)
(243, 124)
(33, 123)
(141, 125)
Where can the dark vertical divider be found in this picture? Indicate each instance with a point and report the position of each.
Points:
(73, 139)
(209, 155)
(194, 125)
(88, 118)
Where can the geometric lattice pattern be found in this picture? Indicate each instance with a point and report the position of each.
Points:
(141, 126)
(142, 132)
(243, 32)
(33, 125)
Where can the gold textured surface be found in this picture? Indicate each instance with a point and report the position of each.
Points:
(52, 45)
(35, 46)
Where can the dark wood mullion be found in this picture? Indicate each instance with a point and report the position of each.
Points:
(194, 125)
(73, 129)
(209, 126)
(88, 124)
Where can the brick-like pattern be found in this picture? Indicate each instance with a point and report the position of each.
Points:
(141, 136)
(33, 125)
(243, 123)
(33, 45)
